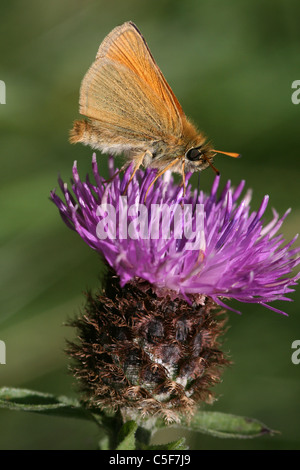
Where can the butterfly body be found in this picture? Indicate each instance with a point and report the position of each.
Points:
(158, 152)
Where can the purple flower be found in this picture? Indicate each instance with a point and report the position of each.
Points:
(187, 245)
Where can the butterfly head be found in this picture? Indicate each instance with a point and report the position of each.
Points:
(198, 158)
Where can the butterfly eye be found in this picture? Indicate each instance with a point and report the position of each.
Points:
(193, 155)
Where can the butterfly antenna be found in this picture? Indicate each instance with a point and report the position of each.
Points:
(230, 154)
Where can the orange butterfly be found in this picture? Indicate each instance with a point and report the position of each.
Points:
(132, 110)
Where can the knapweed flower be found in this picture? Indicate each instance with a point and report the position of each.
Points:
(187, 245)
(148, 343)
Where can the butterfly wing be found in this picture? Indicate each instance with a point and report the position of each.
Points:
(125, 92)
(126, 45)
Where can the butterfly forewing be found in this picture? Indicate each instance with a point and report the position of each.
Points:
(122, 106)
(124, 90)
(126, 45)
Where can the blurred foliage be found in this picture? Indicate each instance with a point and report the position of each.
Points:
(231, 65)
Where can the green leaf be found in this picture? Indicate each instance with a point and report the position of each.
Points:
(126, 437)
(227, 425)
(37, 402)
(174, 445)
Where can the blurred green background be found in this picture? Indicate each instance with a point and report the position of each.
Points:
(231, 65)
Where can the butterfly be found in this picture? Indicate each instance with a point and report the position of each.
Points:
(131, 109)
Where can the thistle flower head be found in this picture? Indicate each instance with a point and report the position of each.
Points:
(185, 245)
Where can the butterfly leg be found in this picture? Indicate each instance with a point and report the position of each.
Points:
(123, 168)
(161, 173)
(138, 162)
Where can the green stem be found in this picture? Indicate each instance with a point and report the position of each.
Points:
(111, 425)
(143, 436)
